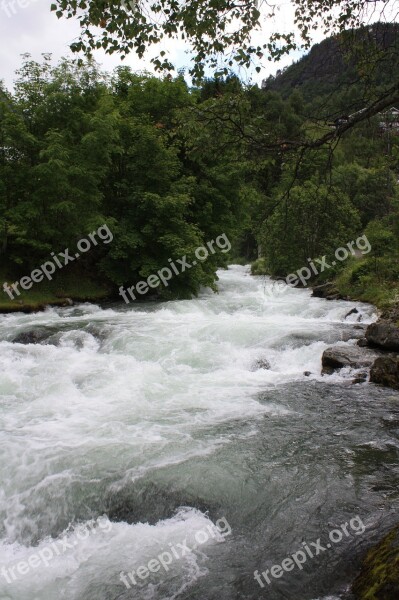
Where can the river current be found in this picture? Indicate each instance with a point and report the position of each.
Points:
(188, 428)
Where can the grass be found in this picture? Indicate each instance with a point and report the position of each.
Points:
(360, 282)
(72, 284)
(357, 280)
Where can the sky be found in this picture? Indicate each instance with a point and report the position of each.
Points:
(30, 26)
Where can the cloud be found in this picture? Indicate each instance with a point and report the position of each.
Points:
(35, 29)
(30, 26)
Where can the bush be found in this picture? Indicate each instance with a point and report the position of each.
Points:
(258, 267)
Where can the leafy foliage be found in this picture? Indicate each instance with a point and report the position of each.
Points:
(79, 150)
(169, 168)
(219, 32)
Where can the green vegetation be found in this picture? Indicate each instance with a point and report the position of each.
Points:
(258, 267)
(327, 196)
(168, 168)
(219, 33)
(325, 211)
(379, 575)
(80, 150)
(73, 283)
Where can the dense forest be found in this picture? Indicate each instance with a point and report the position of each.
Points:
(167, 168)
(80, 150)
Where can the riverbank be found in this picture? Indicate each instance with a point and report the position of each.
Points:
(354, 282)
(378, 578)
(65, 289)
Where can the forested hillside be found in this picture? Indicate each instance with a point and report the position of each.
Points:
(168, 168)
(330, 193)
(330, 70)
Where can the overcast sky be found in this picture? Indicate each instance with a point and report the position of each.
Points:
(29, 26)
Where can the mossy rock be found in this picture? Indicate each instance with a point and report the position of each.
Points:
(258, 267)
(379, 574)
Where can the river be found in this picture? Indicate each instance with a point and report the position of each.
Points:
(131, 429)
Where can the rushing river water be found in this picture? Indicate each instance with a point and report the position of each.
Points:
(131, 430)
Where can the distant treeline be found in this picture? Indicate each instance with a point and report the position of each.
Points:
(168, 168)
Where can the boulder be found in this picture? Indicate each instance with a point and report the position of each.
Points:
(38, 335)
(379, 574)
(338, 357)
(35, 336)
(353, 333)
(261, 363)
(360, 377)
(385, 371)
(383, 334)
(326, 290)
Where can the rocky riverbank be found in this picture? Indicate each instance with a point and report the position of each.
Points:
(376, 356)
(385, 335)
(377, 353)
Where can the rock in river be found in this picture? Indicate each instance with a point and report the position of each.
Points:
(383, 334)
(261, 363)
(385, 371)
(34, 336)
(338, 357)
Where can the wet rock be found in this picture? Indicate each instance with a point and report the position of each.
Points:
(362, 342)
(326, 290)
(360, 377)
(338, 357)
(261, 363)
(354, 311)
(35, 336)
(354, 333)
(307, 373)
(385, 371)
(379, 574)
(383, 334)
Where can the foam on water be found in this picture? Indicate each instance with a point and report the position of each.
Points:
(89, 555)
(118, 392)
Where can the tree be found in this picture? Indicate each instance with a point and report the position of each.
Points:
(68, 120)
(371, 191)
(384, 249)
(211, 27)
(313, 221)
(220, 34)
(15, 148)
